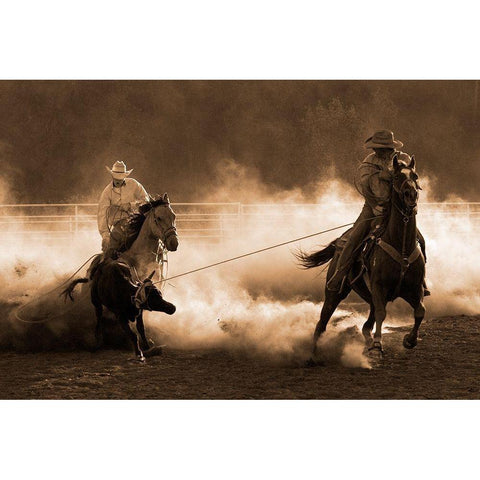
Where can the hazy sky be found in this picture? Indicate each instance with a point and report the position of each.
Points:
(56, 136)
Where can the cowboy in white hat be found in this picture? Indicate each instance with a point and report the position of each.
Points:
(375, 174)
(118, 200)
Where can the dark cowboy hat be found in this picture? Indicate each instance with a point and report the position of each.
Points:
(382, 139)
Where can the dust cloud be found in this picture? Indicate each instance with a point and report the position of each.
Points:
(263, 305)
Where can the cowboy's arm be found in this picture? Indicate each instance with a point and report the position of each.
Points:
(140, 196)
(374, 183)
(141, 193)
(368, 178)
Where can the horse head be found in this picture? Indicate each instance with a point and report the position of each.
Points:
(405, 183)
(162, 222)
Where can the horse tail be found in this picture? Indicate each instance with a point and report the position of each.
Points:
(315, 259)
(68, 292)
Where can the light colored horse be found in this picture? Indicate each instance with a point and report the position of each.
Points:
(119, 284)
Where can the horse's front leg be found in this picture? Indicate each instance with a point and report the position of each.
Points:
(124, 322)
(368, 327)
(99, 315)
(410, 340)
(144, 344)
(379, 300)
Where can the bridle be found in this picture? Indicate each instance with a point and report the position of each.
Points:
(408, 212)
(167, 233)
(411, 209)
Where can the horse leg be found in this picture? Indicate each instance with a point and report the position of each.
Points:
(368, 327)
(99, 315)
(379, 300)
(410, 340)
(332, 299)
(144, 344)
(124, 322)
(98, 327)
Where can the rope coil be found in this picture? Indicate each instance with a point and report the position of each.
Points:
(22, 308)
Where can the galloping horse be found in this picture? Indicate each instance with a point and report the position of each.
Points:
(116, 284)
(395, 267)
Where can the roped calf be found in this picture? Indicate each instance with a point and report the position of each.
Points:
(112, 287)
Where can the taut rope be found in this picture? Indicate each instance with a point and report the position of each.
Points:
(259, 251)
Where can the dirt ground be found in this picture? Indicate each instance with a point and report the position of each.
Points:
(445, 365)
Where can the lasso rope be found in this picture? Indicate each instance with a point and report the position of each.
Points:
(163, 280)
(22, 308)
(260, 250)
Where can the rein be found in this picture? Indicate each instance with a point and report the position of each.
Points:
(170, 231)
(260, 251)
(403, 259)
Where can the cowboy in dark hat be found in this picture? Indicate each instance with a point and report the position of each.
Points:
(374, 177)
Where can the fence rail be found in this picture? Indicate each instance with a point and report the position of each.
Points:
(200, 221)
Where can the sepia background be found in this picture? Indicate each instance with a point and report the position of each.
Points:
(56, 136)
(247, 165)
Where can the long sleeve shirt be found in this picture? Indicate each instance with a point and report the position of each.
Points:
(375, 189)
(116, 202)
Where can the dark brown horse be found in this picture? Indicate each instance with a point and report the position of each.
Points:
(395, 267)
(113, 287)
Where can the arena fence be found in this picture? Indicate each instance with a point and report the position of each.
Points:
(209, 222)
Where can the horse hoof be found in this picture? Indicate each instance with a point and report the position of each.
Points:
(310, 363)
(367, 335)
(376, 347)
(154, 351)
(407, 343)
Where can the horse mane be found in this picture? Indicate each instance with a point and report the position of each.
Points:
(136, 220)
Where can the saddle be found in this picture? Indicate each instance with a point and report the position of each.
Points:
(365, 248)
(122, 236)
(363, 251)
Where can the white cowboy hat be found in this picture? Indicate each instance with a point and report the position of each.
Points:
(119, 170)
